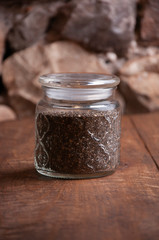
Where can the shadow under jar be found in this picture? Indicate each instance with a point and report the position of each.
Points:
(77, 126)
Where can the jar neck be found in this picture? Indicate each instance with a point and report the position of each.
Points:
(75, 95)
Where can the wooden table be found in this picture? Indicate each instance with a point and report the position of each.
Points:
(122, 206)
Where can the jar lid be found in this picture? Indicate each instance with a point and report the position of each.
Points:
(78, 86)
(79, 80)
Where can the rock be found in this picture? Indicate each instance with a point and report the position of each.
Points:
(30, 24)
(135, 50)
(3, 99)
(2, 42)
(21, 71)
(140, 84)
(6, 113)
(98, 25)
(150, 21)
(112, 62)
(141, 92)
(69, 57)
(23, 107)
(101, 25)
(138, 65)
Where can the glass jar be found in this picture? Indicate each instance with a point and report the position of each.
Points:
(77, 126)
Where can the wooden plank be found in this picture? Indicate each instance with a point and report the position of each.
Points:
(121, 206)
(147, 126)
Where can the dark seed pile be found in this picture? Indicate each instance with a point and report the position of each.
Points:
(74, 143)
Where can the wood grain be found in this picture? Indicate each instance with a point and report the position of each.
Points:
(121, 206)
(147, 127)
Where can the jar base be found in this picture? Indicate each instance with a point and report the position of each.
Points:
(52, 174)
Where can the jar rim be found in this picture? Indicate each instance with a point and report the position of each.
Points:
(79, 80)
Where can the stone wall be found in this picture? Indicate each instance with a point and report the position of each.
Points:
(105, 36)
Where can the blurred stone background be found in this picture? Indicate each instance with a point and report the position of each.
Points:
(104, 36)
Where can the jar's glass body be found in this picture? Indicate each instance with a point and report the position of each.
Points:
(77, 139)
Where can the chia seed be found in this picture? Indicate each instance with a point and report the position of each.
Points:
(77, 142)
